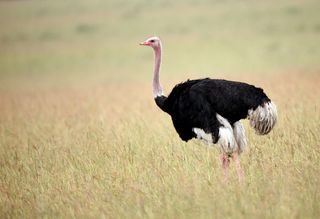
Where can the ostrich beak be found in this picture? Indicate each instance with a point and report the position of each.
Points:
(145, 43)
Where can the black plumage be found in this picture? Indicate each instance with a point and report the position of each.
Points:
(196, 103)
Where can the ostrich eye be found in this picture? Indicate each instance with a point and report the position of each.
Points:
(152, 41)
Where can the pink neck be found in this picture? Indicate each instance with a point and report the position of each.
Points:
(157, 89)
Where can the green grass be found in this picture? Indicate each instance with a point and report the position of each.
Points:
(80, 135)
(99, 40)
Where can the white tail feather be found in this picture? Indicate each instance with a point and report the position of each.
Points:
(263, 118)
(240, 136)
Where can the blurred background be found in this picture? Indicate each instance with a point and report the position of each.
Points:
(58, 43)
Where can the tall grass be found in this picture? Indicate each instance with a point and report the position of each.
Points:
(91, 151)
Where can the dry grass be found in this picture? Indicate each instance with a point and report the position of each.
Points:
(88, 151)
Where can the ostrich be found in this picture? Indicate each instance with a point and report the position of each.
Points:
(211, 110)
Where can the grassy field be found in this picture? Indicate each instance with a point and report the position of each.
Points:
(80, 135)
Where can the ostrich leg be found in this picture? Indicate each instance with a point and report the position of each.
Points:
(235, 157)
(225, 165)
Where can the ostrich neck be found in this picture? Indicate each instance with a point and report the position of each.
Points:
(157, 89)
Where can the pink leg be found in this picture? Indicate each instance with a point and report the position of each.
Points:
(235, 157)
(225, 165)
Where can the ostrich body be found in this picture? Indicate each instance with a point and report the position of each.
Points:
(211, 110)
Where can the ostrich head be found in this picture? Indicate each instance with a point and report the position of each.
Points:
(153, 42)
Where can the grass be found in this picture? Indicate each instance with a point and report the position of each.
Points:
(80, 135)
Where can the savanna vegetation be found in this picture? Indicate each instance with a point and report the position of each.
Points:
(80, 135)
